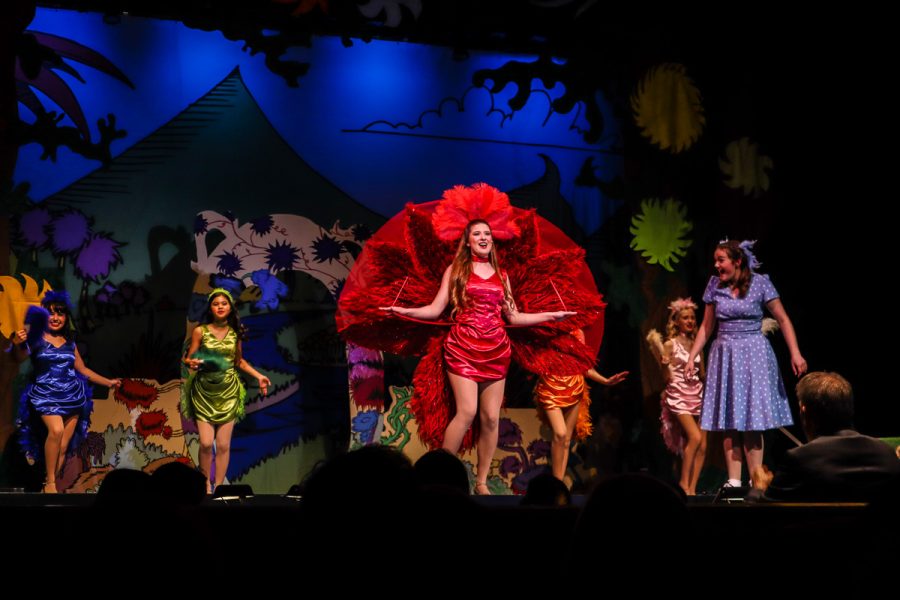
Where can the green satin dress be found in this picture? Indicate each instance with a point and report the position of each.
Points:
(216, 397)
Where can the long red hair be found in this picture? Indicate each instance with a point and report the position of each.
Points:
(461, 269)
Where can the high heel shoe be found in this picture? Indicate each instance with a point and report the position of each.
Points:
(481, 489)
(49, 487)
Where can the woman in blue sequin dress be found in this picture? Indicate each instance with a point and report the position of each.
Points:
(58, 398)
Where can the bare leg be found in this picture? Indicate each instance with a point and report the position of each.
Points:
(753, 449)
(491, 398)
(70, 422)
(223, 450)
(55, 429)
(733, 455)
(563, 422)
(465, 394)
(699, 460)
(689, 456)
(207, 434)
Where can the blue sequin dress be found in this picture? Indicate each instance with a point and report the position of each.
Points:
(56, 388)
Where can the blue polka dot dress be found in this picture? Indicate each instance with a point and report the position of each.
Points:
(744, 390)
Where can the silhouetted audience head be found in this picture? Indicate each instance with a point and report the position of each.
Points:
(376, 477)
(125, 487)
(546, 490)
(177, 484)
(626, 527)
(441, 468)
(352, 500)
(826, 403)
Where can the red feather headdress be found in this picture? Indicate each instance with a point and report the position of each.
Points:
(461, 205)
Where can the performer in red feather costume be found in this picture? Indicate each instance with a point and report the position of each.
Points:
(397, 296)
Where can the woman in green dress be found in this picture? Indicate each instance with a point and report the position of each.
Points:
(213, 394)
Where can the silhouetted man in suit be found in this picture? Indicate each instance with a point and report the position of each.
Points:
(838, 463)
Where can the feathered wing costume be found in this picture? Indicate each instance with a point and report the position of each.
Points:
(403, 263)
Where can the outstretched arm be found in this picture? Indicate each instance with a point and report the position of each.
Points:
(612, 380)
(514, 317)
(526, 319)
(91, 375)
(429, 312)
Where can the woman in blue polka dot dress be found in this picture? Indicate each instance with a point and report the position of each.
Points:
(744, 393)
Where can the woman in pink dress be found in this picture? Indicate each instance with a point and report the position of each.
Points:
(683, 396)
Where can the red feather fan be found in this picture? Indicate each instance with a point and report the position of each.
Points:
(402, 265)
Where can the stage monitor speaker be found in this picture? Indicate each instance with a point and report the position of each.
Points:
(238, 491)
(731, 495)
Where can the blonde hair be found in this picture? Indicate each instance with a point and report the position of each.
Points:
(672, 326)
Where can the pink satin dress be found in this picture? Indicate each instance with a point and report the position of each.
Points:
(477, 346)
(684, 396)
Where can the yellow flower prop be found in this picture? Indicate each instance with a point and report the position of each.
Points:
(744, 167)
(14, 301)
(659, 232)
(667, 108)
